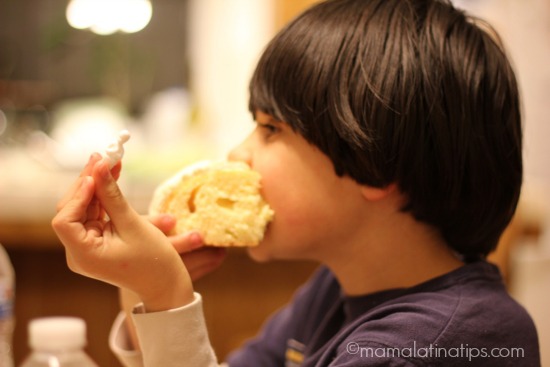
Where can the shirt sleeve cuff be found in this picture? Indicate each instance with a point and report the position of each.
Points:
(119, 342)
(176, 337)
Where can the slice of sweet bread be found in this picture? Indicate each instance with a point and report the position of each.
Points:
(220, 200)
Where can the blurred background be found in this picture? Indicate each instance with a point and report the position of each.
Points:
(175, 73)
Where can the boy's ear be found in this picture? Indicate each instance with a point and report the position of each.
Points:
(372, 193)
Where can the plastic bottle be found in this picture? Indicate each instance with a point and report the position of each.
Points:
(7, 321)
(58, 342)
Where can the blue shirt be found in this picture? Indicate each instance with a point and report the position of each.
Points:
(463, 318)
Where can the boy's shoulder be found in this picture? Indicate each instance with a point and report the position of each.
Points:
(461, 316)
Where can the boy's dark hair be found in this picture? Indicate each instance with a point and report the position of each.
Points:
(406, 91)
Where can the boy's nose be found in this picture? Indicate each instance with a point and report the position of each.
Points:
(241, 153)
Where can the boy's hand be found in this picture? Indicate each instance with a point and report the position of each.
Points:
(123, 249)
(198, 260)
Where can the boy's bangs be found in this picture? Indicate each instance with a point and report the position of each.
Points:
(288, 83)
(262, 96)
(270, 86)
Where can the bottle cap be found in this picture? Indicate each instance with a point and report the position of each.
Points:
(54, 333)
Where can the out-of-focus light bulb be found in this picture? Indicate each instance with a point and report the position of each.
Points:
(137, 16)
(109, 16)
(107, 22)
(79, 13)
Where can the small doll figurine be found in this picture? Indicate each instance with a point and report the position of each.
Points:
(115, 150)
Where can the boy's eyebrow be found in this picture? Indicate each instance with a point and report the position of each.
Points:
(267, 119)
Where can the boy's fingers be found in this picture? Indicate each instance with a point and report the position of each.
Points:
(164, 222)
(111, 198)
(203, 261)
(115, 171)
(68, 223)
(187, 242)
(86, 171)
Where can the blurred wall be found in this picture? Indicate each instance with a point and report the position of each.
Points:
(225, 42)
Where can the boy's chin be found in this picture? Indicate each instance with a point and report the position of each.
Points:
(259, 253)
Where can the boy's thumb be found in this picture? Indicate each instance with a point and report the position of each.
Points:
(111, 198)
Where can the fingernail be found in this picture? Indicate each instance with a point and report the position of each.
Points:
(195, 239)
(168, 220)
(92, 157)
(104, 170)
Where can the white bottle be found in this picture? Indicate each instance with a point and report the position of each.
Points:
(58, 342)
(7, 322)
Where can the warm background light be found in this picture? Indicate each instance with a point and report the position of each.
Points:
(109, 16)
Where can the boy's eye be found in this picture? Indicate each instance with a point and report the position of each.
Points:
(268, 129)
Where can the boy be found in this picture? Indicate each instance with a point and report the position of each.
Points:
(389, 142)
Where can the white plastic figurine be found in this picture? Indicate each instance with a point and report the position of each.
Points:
(115, 150)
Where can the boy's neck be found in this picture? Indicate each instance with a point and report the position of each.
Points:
(383, 258)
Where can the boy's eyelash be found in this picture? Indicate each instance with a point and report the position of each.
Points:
(268, 131)
(270, 127)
